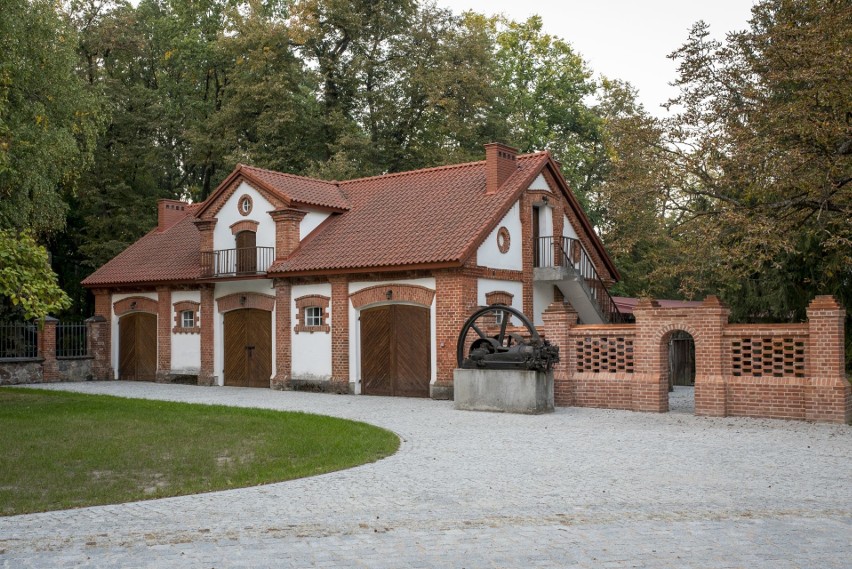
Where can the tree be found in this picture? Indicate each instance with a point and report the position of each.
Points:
(26, 279)
(763, 142)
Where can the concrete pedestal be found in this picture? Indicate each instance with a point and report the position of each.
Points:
(504, 391)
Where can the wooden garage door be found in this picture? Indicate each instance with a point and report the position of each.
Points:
(395, 355)
(248, 347)
(137, 347)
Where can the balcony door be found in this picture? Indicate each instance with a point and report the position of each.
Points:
(246, 252)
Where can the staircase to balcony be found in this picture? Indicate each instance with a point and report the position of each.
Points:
(245, 261)
(563, 262)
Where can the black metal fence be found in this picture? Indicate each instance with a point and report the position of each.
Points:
(18, 340)
(244, 261)
(71, 340)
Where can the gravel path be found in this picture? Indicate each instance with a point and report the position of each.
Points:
(579, 487)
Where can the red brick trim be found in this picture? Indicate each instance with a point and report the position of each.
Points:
(179, 308)
(306, 301)
(244, 225)
(504, 240)
(340, 333)
(245, 300)
(135, 304)
(392, 293)
(499, 297)
(245, 198)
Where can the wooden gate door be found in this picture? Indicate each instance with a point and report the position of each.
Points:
(395, 354)
(248, 348)
(137, 347)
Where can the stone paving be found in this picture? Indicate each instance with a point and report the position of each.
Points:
(576, 488)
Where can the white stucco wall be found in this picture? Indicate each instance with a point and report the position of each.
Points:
(568, 229)
(114, 324)
(263, 286)
(223, 238)
(542, 297)
(311, 350)
(540, 184)
(489, 255)
(186, 348)
(516, 289)
(311, 221)
(355, 329)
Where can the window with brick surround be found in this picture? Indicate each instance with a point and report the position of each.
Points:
(312, 314)
(186, 317)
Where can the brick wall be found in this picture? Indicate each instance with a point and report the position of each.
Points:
(339, 334)
(164, 334)
(283, 338)
(784, 371)
(455, 300)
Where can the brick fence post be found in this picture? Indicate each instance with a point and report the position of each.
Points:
(97, 337)
(650, 390)
(828, 394)
(712, 361)
(47, 350)
(558, 319)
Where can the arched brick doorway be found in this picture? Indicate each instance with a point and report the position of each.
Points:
(137, 347)
(678, 370)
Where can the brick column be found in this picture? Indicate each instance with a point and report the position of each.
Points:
(205, 230)
(97, 338)
(47, 350)
(527, 254)
(712, 362)
(103, 308)
(559, 318)
(164, 334)
(206, 374)
(828, 394)
(455, 300)
(283, 335)
(650, 390)
(339, 334)
(287, 223)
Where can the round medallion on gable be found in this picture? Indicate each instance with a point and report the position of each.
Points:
(245, 204)
(503, 240)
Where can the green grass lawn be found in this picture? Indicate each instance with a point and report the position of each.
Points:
(65, 450)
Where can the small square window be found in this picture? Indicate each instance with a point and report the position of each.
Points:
(187, 319)
(313, 316)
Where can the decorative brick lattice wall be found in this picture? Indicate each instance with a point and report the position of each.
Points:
(596, 354)
(775, 357)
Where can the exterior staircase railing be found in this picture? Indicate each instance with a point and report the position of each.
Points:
(570, 253)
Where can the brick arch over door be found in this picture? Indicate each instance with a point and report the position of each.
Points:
(135, 304)
(240, 300)
(413, 294)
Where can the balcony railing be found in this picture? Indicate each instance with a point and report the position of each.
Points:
(237, 262)
(569, 252)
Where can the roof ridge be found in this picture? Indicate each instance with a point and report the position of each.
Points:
(288, 175)
(433, 169)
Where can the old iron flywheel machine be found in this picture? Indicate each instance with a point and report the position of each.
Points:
(505, 350)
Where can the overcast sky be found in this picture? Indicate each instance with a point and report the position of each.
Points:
(624, 39)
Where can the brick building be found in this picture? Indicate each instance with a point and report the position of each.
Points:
(358, 286)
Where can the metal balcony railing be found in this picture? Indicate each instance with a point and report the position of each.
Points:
(233, 262)
(569, 252)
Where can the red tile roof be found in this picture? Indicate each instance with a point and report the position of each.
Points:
(432, 216)
(422, 218)
(170, 255)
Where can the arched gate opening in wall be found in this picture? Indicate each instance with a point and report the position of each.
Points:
(679, 370)
(395, 350)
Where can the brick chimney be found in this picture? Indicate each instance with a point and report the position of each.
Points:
(287, 223)
(500, 163)
(169, 212)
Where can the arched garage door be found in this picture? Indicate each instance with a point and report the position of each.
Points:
(137, 347)
(395, 355)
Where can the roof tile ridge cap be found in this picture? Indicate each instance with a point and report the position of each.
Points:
(415, 171)
(288, 175)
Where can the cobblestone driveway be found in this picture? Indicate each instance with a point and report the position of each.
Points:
(580, 487)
